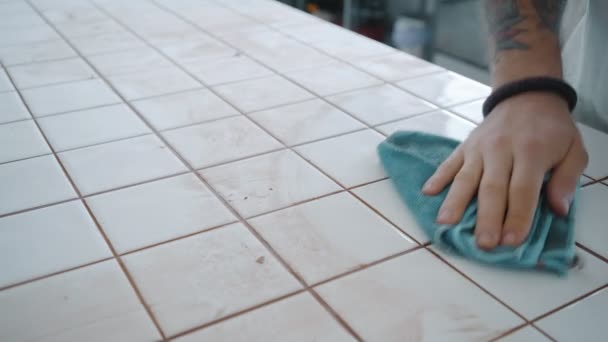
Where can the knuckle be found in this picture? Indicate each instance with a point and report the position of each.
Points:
(466, 177)
(498, 141)
(493, 187)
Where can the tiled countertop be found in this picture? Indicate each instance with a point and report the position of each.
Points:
(200, 170)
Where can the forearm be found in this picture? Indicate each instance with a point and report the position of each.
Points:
(524, 38)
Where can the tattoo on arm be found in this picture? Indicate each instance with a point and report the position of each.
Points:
(550, 13)
(503, 18)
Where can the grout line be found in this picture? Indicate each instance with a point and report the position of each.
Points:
(509, 332)
(543, 332)
(592, 252)
(60, 59)
(575, 300)
(25, 158)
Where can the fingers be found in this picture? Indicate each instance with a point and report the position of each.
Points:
(492, 198)
(445, 173)
(565, 177)
(463, 189)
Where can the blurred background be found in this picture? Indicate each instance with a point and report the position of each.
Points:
(450, 33)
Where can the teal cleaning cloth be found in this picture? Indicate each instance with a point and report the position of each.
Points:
(410, 158)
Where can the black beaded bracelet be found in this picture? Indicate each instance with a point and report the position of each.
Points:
(547, 84)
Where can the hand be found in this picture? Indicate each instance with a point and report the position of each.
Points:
(504, 161)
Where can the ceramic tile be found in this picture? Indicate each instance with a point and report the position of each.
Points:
(585, 319)
(155, 212)
(380, 104)
(350, 159)
(32, 182)
(355, 48)
(68, 97)
(20, 20)
(125, 162)
(19, 140)
(471, 111)
(412, 298)
(383, 197)
(107, 43)
(439, 123)
(45, 73)
(13, 108)
(153, 83)
(331, 79)
(201, 50)
(172, 36)
(297, 318)
(595, 142)
(84, 28)
(182, 109)
(306, 121)
(27, 35)
(68, 307)
(329, 236)
(37, 52)
(130, 61)
(272, 181)
(236, 67)
(48, 240)
(76, 11)
(590, 226)
(262, 93)
(398, 66)
(220, 141)
(515, 287)
(318, 32)
(92, 126)
(5, 82)
(526, 334)
(445, 88)
(584, 180)
(202, 278)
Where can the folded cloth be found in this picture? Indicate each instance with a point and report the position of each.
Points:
(410, 158)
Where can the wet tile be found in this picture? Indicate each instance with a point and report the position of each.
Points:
(595, 142)
(331, 79)
(398, 66)
(439, 123)
(67, 307)
(5, 82)
(125, 162)
(155, 212)
(516, 288)
(19, 140)
(350, 159)
(471, 111)
(445, 88)
(584, 319)
(130, 61)
(380, 104)
(306, 121)
(153, 83)
(412, 298)
(200, 50)
(590, 218)
(235, 67)
(329, 236)
(272, 181)
(383, 197)
(67, 97)
(202, 278)
(36, 52)
(46, 73)
(92, 126)
(107, 43)
(526, 334)
(13, 108)
(48, 240)
(220, 141)
(170, 111)
(27, 35)
(32, 182)
(262, 93)
(297, 318)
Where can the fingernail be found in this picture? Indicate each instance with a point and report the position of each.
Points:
(508, 239)
(444, 216)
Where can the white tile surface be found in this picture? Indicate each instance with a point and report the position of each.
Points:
(45, 73)
(130, 61)
(207, 276)
(220, 141)
(260, 184)
(330, 236)
(91, 126)
(354, 49)
(595, 142)
(5, 82)
(413, 298)
(200, 50)
(526, 334)
(471, 111)
(107, 43)
(154, 212)
(333, 78)
(153, 83)
(36, 52)
(13, 108)
(19, 140)
(589, 221)
(48, 240)
(350, 159)
(582, 320)
(69, 97)
(68, 307)
(26, 35)
(103, 167)
(306, 121)
(380, 104)
(32, 182)
(445, 88)
(398, 66)
(297, 318)
(439, 123)
(236, 67)
(83, 28)
(262, 93)
(170, 111)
